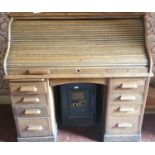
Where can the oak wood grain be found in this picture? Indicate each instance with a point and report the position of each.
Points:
(28, 88)
(76, 15)
(37, 44)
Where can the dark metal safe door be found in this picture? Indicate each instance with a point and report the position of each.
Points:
(78, 104)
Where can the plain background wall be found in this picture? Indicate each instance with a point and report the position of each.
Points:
(4, 100)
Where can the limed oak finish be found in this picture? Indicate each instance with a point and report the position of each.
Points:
(50, 49)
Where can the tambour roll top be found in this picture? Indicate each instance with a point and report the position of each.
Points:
(43, 46)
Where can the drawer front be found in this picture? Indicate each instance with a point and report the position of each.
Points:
(128, 85)
(32, 127)
(28, 88)
(123, 125)
(125, 110)
(65, 72)
(30, 112)
(125, 98)
(28, 100)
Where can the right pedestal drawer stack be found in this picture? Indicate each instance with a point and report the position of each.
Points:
(125, 104)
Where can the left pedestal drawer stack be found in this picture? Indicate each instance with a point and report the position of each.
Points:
(32, 108)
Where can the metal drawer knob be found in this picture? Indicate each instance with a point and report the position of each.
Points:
(127, 98)
(28, 89)
(34, 128)
(129, 85)
(124, 125)
(32, 112)
(126, 109)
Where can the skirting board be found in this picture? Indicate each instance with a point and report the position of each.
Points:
(37, 139)
(122, 138)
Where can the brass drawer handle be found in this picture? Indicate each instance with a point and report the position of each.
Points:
(127, 98)
(28, 89)
(126, 109)
(30, 100)
(34, 128)
(38, 72)
(124, 125)
(129, 85)
(32, 112)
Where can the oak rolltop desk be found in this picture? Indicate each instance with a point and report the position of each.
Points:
(47, 50)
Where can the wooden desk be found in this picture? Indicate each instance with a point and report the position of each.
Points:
(47, 50)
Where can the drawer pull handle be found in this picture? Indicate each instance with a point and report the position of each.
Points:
(126, 109)
(34, 128)
(129, 85)
(124, 125)
(32, 112)
(27, 89)
(38, 72)
(127, 98)
(30, 100)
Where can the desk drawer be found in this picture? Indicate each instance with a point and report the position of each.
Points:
(31, 112)
(123, 125)
(125, 98)
(32, 127)
(128, 85)
(20, 100)
(28, 88)
(125, 110)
